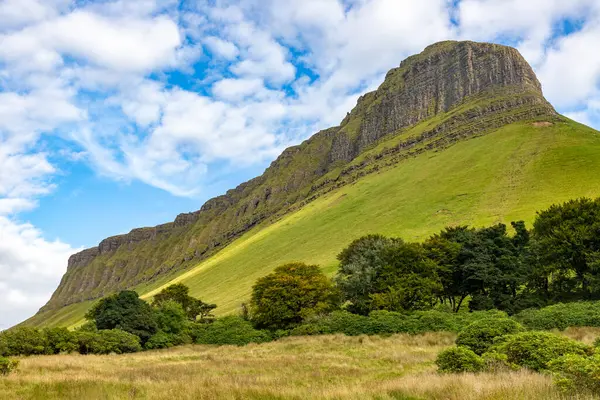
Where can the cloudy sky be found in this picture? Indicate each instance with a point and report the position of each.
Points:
(120, 114)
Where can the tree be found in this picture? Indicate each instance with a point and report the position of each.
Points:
(291, 293)
(125, 311)
(360, 263)
(170, 317)
(567, 245)
(195, 309)
(408, 280)
(486, 264)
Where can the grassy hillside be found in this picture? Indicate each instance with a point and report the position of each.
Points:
(503, 176)
(325, 367)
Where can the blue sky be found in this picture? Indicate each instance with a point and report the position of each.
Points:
(117, 114)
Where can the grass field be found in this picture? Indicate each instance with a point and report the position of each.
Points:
(323, 367)
(503, 176)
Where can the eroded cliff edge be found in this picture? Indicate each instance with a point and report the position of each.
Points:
(465, 88)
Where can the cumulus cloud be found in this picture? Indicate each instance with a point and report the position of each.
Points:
(168, 93)
(30, 269)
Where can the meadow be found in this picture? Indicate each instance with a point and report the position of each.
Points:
(320, 367)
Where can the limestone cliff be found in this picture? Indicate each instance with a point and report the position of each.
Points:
(455, 89)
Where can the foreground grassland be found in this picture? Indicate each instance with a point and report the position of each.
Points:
(322, 367)
(503, 176)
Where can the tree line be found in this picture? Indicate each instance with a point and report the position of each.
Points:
(383, 285)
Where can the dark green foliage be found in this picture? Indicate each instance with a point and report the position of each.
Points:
(377, 273)
(386, 322)
(107, 341)
(7, 366)
(60, 340)
(231, 330)
(561, 316)
(408, 281)
(360, 264)
(160, 340)
(479, 336)
(459, 359)
(23, 341)
(125, 311)
(576, 373)
(486, 264)
(291, 293)
(567, 243)
(194, 309)
(535, 350)
(170, 317)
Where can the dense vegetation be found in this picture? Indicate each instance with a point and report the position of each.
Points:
(485, 284)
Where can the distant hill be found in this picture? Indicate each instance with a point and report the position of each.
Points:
(458, 134)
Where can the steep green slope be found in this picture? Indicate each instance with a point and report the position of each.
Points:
(503, 176)
(460, 133)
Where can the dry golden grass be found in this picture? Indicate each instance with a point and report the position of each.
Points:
(325, 367)
(585, 334)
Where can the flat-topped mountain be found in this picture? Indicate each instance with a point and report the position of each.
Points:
(425, 110)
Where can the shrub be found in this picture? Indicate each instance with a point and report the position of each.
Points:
(7, 365)
(459, 359)
(232, 330)
(575, 372)
(293, 292)
(107, 341)
(535, 350)
(23, 341)
(388, 322)
(561, 316)
(479, 336)
(60, 340)
(160, 340)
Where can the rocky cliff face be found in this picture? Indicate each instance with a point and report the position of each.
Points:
(470, 87)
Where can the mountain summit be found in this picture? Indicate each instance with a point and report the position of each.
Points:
(450, 92)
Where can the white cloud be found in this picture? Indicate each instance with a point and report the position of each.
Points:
(30, 269)
(237, 89)
(222, 48)
(123, 44)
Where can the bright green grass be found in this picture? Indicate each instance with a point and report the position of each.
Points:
(504, 176)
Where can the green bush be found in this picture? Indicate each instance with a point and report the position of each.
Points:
(387, 322)
(163, 340)
(107, 341)
(561, 316)
(60, 340)
(535, 350)
(459, 359)
(23, 341)
(576, 373)
(7, 365)
(232, 330)
(479, 336)
(160, 340)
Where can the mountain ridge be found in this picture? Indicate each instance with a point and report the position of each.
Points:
(472, 87)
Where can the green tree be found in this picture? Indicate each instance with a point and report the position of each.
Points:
(360, 264)
(170, 317)
(125, 311)
(486, 264)
(408, 280)
(567, 247)
(195, 309)
(291, 293)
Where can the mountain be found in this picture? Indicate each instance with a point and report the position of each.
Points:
(458, 134)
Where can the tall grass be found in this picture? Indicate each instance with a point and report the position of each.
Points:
(322, 367)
